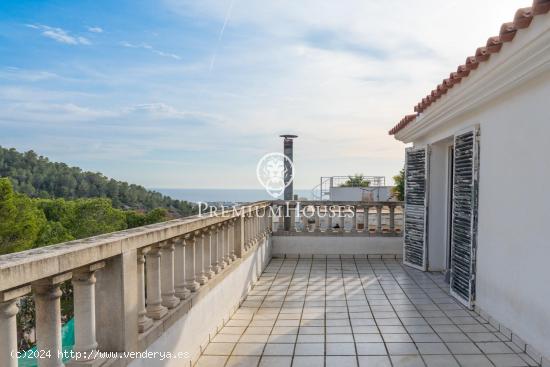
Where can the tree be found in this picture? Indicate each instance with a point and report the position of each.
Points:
(20, 220)
(399, 189)
(357, 180)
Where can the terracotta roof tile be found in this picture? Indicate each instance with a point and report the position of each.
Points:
(482, 54)
(507, 32)
(541, 7)
(522, 19)
(494, 44)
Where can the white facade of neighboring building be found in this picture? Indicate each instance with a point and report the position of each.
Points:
(506, 102)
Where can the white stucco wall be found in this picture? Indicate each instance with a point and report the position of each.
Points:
(438, 206)
(513, 243)
(193, 330)
(337, 245)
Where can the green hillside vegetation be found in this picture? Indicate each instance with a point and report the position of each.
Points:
(37, 177)
(27, 223)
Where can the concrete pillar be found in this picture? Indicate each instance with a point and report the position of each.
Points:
(144, 322)
(84, 282)
(179, 270)
(8, 333)
(168, 291)
(48, 319)
(379, 218)
(8, 325)
(190, 261)
(155, 309)
(117, 303)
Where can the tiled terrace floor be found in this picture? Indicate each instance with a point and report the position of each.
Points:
(356, 312)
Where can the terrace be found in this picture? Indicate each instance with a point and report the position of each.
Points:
(316, 283)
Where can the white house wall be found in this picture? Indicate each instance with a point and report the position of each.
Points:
(513, 272)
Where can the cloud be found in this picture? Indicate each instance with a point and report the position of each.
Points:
(17, 74)
(59, 35)
(148, 47)
(95, 29)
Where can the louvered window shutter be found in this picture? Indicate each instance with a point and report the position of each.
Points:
(464, 216)
(416, 204)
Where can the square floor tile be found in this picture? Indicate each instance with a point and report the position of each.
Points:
(310, 349)
(370, 349)
(494, 348)
(248, 349)
(271, 361)
(397, 338)
(440, 361)
(463, 348)
(340, 349)
(432, 348)
(278, 350)
(242, 361)
(282, 338)
(374, 361)
(211, 361)
(341, 361)
(219, 349)
(473, 360)
(308, 361)
(506, 360)
(407, 361)
(401, 348)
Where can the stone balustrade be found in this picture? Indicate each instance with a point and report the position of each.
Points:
(130, 287)
(139, 277)
(339, 218)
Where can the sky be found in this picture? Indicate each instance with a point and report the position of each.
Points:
(191, 94)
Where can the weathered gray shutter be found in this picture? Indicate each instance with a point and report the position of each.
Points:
(416, 204)
(464, 216)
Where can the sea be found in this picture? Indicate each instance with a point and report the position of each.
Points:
(225, 195)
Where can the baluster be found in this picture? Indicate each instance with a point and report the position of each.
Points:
(47, 295)
(203, 276)
(84, 315)
(144, 322)
(329, 213)
(379, 219)
(317, 225)
(292, 212)
(392, 218)
(221, 240)
(155, 309)
(216, 249)
(191, 261)
(227, 243)
(180, 270)
(208, 253)
(304, 220)
(232, 240)
(8, 325)
(366, 218)
(169, 299)
(353, 211)
(341, 218)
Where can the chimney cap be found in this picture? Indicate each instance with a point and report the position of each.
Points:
(288, 136)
